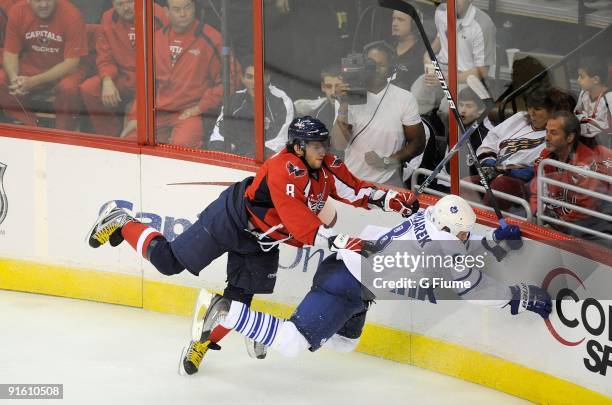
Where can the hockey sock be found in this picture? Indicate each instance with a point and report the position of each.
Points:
(218, 333)
(139, 236)
(259, 326)
(233, 294)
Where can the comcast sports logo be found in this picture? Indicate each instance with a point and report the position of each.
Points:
(3, 199)
(583, 321)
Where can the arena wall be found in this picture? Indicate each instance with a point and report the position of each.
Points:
(55, 191)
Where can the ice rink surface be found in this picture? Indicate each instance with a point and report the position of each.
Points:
(109, 354)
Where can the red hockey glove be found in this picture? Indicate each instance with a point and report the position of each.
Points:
(405, 204)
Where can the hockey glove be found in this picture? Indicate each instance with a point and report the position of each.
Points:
(488, 162)
(524, 174)
(489, 173)
(357, 245)
(405, 204)
(501, 240)
(527, 297)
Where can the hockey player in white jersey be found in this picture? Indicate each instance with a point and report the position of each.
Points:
(333, 312)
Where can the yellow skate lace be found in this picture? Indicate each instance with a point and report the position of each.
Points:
(196, 352)
(104, 234)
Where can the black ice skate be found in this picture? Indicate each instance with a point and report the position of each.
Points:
(203, 324)
(108, 226)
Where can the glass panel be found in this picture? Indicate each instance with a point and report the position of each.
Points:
(534, 79)
(192, 75)
(67, 65)
(358, 65)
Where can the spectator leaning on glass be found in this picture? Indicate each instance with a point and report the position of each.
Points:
(386, 131)
(45, 40)
(562, 144)
(409, 49)
(107, 94)
(187, 77)
(509, 150)
(5, 6)
(475, 54)
(234, 133)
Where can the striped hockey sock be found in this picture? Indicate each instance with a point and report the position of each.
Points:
(258, 326)
(139, 236)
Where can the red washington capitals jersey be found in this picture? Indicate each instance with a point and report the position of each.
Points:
(284, 192)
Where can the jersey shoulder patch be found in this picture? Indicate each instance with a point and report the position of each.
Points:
(294, 171)
(333, 161)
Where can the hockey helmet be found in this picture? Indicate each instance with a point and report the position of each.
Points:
(306, 129)
(454, 213)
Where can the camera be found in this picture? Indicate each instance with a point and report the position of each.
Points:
(356, 69)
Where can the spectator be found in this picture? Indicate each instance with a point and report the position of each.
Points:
(5, 6)
(45, 40)
(562, 144)
(188, 77)
(475, 54)
(379, 136)
(470, 108)
(509, 150)
(234, 133)
(107, 94)
(323, 108)
(593, 107)
(300, 37)
(409, 49)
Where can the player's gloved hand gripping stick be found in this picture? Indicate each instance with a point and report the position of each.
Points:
(474, 83)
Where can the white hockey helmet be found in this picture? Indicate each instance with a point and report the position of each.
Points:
(454, 213)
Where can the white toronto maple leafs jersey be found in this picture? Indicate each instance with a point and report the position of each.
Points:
(418, 240)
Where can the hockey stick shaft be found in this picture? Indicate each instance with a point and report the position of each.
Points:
(462, 140)
(406, 8)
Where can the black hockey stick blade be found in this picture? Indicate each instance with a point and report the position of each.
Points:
(400, 5)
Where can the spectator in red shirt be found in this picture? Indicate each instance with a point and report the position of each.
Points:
(188, 77)
(5, 6)
(45, 40)
(107, 94)
(562, 144)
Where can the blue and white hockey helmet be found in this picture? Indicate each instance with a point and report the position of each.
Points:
(306, 129)
(453, 213)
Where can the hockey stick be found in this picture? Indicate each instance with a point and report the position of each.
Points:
(406, 8)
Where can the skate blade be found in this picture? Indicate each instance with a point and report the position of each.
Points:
(199, 310)
(181, 369)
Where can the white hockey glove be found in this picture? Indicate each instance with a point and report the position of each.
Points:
(343, 241)
(527, 297)
(405, 204)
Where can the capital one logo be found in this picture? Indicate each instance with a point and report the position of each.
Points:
(3, 198)
(585, 317)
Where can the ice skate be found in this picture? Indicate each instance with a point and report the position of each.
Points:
(203, 324)
(255, 349)
(106, 227)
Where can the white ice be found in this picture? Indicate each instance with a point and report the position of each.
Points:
(109, 354)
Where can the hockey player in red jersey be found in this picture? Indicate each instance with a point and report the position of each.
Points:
(251, 218)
